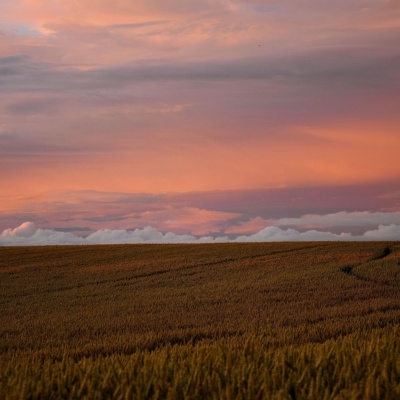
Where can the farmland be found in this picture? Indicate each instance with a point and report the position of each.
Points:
(283, 320)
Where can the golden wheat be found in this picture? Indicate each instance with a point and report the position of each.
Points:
(283, 320)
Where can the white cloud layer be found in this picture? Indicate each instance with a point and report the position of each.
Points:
(28, 235)
(343, 218)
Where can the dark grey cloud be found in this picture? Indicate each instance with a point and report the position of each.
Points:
(327, 68)
(20, 74)
(11, 65)
(31, 107)
(296, 201)
(22, 146)
(16, 58)
(320, 69)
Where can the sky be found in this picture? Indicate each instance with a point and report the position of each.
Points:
(207, 120)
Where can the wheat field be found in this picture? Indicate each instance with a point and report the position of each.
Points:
(213, 321)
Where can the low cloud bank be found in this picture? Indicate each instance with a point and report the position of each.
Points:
(275, 234)
(27, 234)
(343, 218)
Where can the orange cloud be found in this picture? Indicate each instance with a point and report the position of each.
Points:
(173, 163)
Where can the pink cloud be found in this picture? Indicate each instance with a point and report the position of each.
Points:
(187, 219)
(231, 212)
(246, 227)
(166, 219)
(26, 229)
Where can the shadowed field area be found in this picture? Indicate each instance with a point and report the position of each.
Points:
(269, 320)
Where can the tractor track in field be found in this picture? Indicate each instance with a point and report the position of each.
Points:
(349, 269)
(132, 279)
(207, 264)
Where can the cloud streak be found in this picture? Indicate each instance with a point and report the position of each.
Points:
(318, 69)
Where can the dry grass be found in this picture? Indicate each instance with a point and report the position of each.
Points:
(283, 320)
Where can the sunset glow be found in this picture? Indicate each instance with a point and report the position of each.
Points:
(205, 118)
